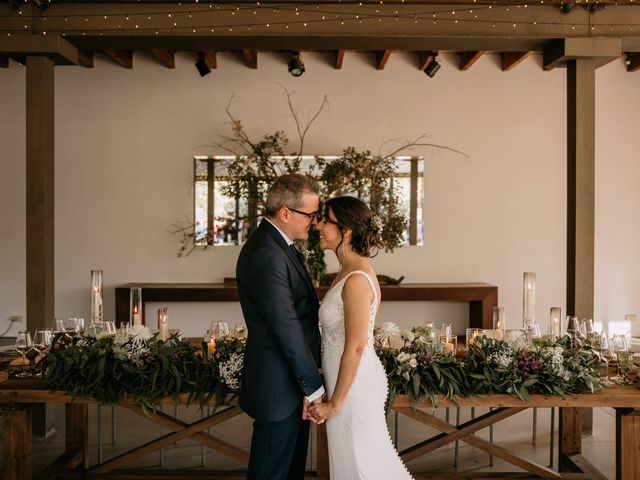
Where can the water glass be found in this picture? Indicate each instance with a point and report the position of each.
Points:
(24, 344)
(625, 362)
(110, 327)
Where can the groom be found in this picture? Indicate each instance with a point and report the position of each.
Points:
(280, 376)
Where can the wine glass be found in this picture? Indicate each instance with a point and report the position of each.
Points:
(23, 345)
(619, 343)
(240, 331)
(224, 329)
(41, 343)
(71, 325)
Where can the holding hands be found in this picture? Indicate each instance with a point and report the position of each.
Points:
(319, 411)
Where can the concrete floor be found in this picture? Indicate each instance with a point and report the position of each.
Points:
(514, 433)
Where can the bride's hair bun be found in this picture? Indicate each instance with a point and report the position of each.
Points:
(366, 228)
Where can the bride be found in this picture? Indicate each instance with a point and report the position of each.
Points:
(359, 443)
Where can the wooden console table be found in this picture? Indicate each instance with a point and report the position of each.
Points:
(481, 297)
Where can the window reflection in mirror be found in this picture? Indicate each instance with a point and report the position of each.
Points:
(225, 220)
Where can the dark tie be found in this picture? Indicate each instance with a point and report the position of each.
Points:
(298, 254)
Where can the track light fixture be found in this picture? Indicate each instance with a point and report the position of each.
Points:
(433, 66)
(296, 65)
(627, 59)
(201, 65)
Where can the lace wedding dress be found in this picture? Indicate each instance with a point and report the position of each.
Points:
(360, 447)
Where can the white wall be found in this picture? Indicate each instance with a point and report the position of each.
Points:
(125, 141)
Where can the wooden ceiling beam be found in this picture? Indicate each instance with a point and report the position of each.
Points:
(251, 56)
(468, 58)
(85, 58)
(339, 58)
(210, 58)
(124, 58)
(381, 59)
(166, 57)
(511, 59)
(4, 61)
(425, 59)
(634, 62)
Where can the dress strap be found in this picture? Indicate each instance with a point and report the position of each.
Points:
(371, 284)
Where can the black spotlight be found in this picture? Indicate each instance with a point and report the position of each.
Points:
(628, 59)
(296, 65)
(433, 66)
(201, 65)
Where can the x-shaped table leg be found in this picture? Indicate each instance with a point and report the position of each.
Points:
(465, 432)
(181, 430)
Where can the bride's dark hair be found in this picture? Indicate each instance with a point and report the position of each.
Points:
(354, 214)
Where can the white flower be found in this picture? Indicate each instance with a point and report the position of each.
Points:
(413, 362)
(387, 330)
(140, 333)
(403, 357)
(502, 359)
(231, 369)
(408, 335)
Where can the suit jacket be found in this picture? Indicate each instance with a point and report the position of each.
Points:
(280, 307)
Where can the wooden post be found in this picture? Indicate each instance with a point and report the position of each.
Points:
(627, 444)
(322, 454)
(569, 438)
(40, 191)
(413, 202)
(77, 432)
(17, 444)
(581, 120)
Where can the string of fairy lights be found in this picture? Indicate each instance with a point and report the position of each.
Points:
(201, 17)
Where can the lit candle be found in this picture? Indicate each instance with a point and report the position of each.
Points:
(448, 347)
(529, 298)
(554, 322)
(96, 296)
(163, 323)
(136, 316)
(211, 347)
(498, 323)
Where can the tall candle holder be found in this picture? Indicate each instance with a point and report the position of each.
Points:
(135, 306)
(163, 323)
(97, 313)
(528, 299)
(555, 322)
(499, 323)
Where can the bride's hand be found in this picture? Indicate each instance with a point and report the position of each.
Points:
(321, 411)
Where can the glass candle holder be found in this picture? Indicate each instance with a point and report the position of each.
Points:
(499, 324)
(449, 343)
(163, 323)
(135, 306)
(97, 314)
(528, 298)
(472, 334)
(555, 328)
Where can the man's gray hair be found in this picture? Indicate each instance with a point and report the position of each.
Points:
(287, 191)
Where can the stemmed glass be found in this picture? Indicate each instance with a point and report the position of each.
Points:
(619, 343)
(573, 330)
(23, 345)
(41, 343)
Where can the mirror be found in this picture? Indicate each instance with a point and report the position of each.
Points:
(222, 218)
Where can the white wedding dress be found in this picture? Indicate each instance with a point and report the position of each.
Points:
(360, 446)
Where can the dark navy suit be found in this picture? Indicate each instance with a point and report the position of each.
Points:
(282, 356)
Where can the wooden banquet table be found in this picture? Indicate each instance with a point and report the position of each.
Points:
(17, 395)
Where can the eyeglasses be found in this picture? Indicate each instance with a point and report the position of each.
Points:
(311, 216)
